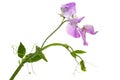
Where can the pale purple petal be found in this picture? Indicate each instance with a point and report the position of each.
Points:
(83, 35)
(72, 27)
(68, 9)
(89, 29)
(72, 30)
(76, 20)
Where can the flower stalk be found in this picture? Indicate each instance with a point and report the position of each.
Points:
(63, 21)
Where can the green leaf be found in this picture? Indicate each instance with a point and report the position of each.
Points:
(32, 57)
(39, 52)
(21, 50)
(73, 54)
(79, 51)
(82, 64)
(42, 56)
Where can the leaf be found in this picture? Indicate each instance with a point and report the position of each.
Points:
(32, 57)
(82, 64)
(39, 52)
(42, 56)
(79, 51)
(73, 54)
(21, 50)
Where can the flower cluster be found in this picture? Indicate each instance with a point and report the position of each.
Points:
(69, 11)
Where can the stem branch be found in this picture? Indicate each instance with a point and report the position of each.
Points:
(55, 44)
(53, 32)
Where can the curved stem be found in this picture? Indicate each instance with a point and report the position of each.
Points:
(63, 45)
(16, 71)
(58, 44)
(53, 32)
(79, 57)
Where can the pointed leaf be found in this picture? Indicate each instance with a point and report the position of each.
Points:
(73, 54)
(39, 52)
(79, 51)
(32, 57)
(21, 50)
(42, 56)
(82, 64)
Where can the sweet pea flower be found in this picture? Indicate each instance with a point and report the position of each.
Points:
(72, 27)
(86, 29)
(68, 10)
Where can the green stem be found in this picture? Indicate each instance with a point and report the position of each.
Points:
(79, 57)
(63, 45)
(16, 71)
(53, 32)
(58, 44)
(69, 48)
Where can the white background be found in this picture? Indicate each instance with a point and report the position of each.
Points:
(30, 21)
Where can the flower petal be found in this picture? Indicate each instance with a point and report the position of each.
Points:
(76, 20)
(68, 9)
(72, 30)
(89, 29)
(83, 35)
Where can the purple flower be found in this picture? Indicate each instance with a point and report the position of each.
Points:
(72, 27)
(88, 29)
(68, 10)
(76, 32)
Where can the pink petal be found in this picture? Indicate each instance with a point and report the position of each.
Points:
(83, 35)
(76, 20)
(68, 9)
(89, 29)
(72, 30)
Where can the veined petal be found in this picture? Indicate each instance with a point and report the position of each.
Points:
(89, 29)
(73, 31)
(72, 27)
(83, 35)
(76, 20)
(68, 9)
